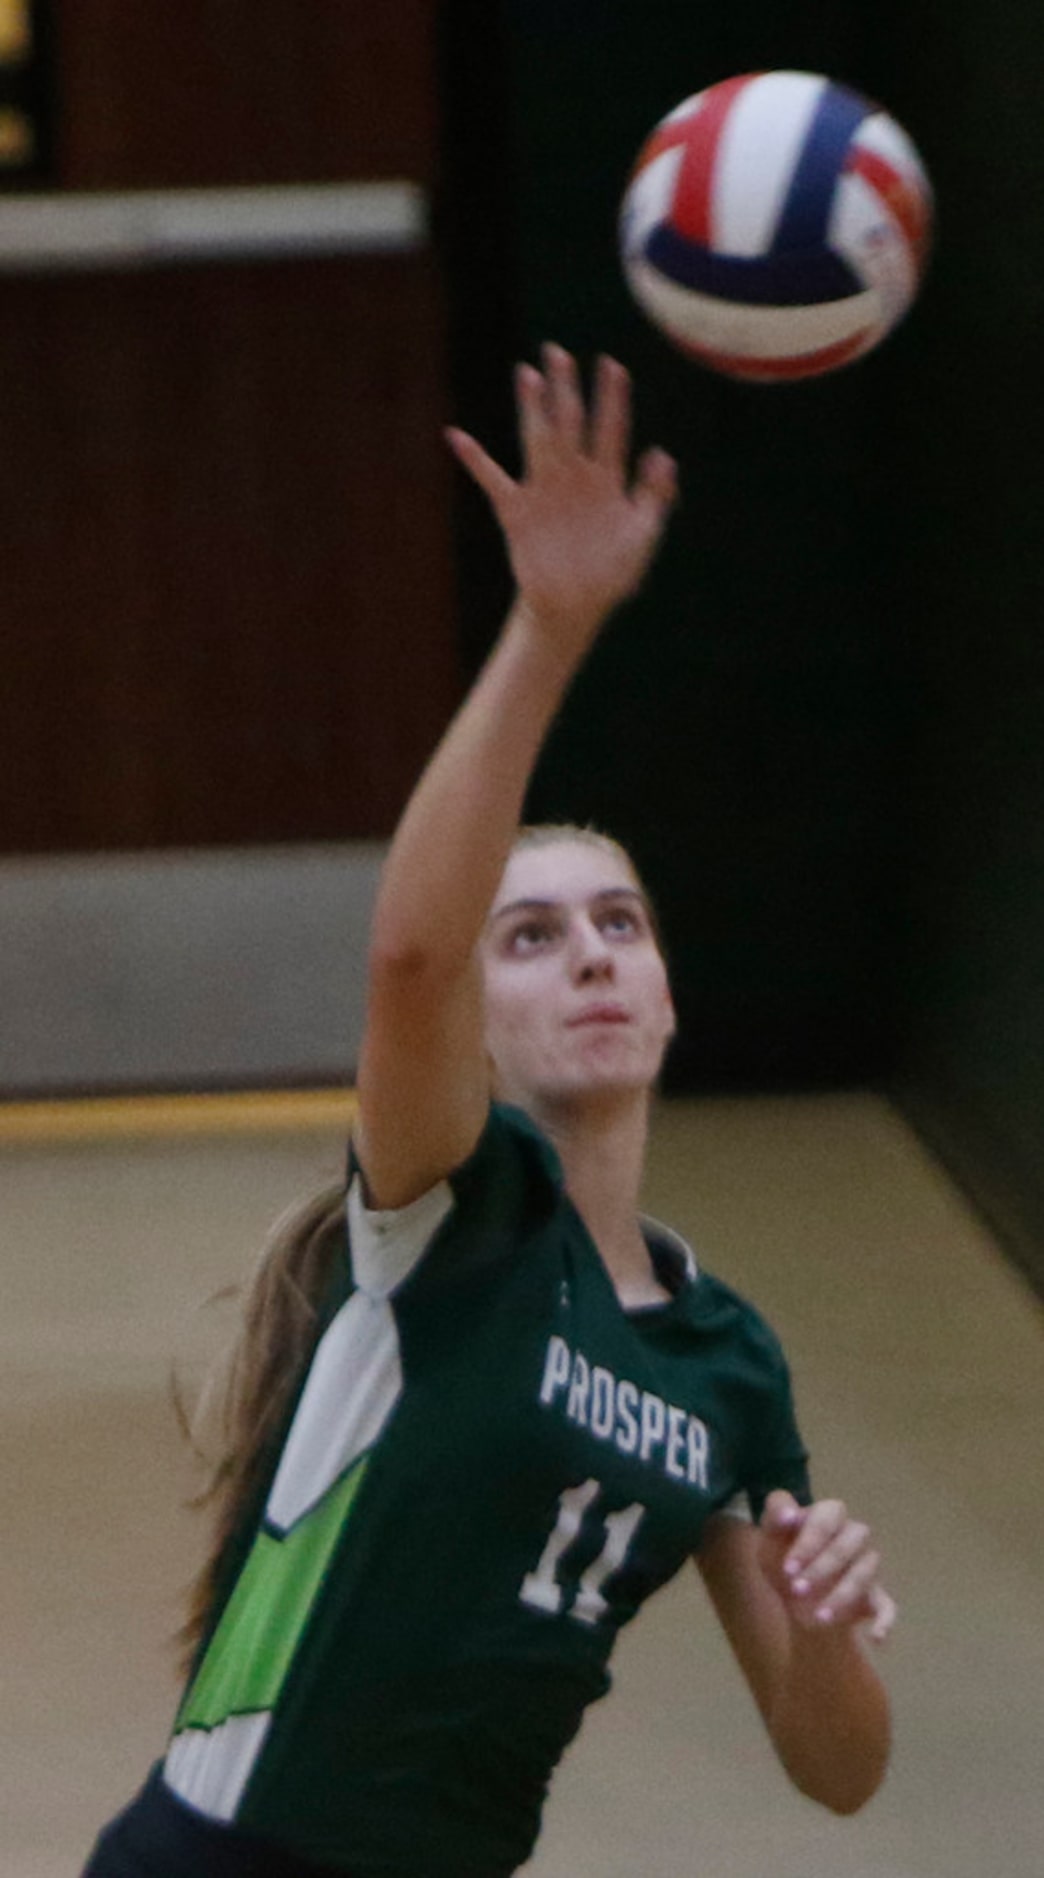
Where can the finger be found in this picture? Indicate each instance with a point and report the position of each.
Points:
(489, 476)
(835, 1557)
(535, 429)
(654, 495)
(611, 416)
(824, 1520)
(564, 400)
(781, 1513)
(884, 1614)
(849, 1595)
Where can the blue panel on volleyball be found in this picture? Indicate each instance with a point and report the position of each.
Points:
(806, 209)
(773, 279)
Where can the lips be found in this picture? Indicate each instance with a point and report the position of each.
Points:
(600, 1014)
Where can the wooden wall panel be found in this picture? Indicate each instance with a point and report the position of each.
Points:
(225, 560)
(245, 91)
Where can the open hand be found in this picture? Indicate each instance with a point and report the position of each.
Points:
(824, 1565)
(580, 532)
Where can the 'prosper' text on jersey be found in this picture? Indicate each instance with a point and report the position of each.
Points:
(634, 1420)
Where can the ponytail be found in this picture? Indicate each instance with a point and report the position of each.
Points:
(242, 1406)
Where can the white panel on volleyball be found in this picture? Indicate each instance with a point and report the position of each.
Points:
(649, 198)
(867, 235)
(754, 332)
(761, 141)
(881, 133)
(687, 108)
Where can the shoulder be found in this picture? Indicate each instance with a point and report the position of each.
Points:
(720, 1307)
(509, 1188)
(510, 1150)
(483, 1210)
(769, 1446)
(708, 1308)
(749, 1359)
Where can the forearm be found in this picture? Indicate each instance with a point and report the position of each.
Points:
(829, 1719)
(579, 536)
(453, 841)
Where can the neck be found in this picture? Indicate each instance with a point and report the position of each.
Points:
(602, 1150)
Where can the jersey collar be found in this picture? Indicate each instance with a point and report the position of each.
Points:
(672, 1256)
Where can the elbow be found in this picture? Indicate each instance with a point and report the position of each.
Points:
(407, 960)
(836, 1750)
(846, 1805)
(391, 960)
(411, 969)
(843, 1792)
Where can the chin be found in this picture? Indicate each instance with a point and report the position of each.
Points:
(592, 1093)
(591, 1085)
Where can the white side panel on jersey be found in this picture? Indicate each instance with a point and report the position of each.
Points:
(209, 1769)
(387, 1246)
(761, 138)
(356, 1374)
(353, 1385)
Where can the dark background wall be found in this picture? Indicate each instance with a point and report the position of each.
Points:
(821, 727)
(748, 728)
(970, 1067)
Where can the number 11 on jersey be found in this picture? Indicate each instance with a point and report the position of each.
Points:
(546, 1589)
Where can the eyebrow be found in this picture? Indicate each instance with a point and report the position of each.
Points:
(550, 906)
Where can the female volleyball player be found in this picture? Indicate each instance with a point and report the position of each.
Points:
(482, 1408)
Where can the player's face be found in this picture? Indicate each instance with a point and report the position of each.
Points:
(577, 1000)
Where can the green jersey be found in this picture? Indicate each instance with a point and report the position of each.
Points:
(489, 1468)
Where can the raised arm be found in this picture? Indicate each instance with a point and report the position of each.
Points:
(580, 534)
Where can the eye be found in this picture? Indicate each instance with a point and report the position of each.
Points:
(623, 921)
(530, 935)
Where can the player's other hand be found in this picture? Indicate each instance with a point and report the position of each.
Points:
(824, 1565)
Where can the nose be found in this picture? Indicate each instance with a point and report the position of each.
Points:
(592, 957)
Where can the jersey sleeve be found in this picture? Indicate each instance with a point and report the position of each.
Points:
(777, 1456)
(479, 1214)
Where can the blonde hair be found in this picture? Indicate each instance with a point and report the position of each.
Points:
(242, 1409)
(551, 834)
(240, 1413)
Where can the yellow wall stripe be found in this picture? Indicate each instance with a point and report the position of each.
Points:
(152, 1117)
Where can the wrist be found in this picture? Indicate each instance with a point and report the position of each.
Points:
(563, 637)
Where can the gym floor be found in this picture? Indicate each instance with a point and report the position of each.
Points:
(916, 1350)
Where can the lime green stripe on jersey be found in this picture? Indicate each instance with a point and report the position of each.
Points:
(251, 1651)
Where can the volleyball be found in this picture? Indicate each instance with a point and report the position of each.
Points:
(776, 226)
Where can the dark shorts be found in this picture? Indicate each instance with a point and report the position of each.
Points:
(157, 1836)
